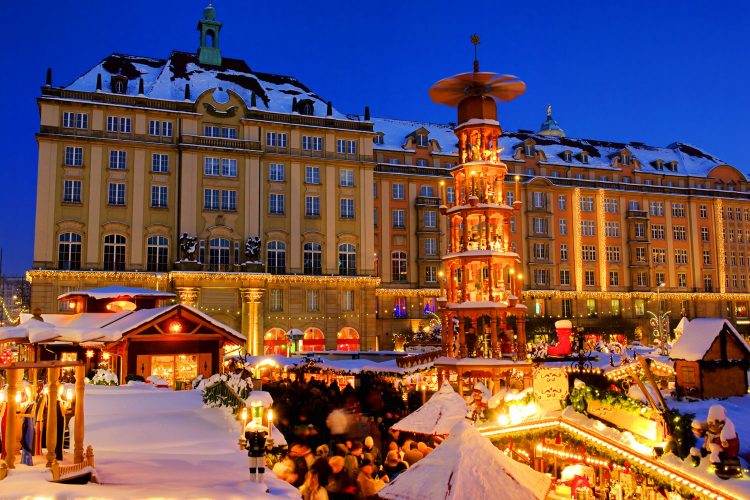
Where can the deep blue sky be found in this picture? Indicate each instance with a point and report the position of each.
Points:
(655, 72)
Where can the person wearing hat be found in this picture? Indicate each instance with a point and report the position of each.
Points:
(373, 450)
(340, 485)
(369, 485)
(393, 465)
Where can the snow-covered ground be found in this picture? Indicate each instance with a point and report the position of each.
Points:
(153, 443)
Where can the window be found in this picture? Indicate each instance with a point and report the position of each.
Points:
(682, 280)
(587, 204)
(159, 196)
(612, 229)
(563, 227)
(708, 284)
(562, 202)
(346, 208)
(513, 224)
(157, 254)
(211, 166)
(69, 251)
(541, 276)
(634, 205)
(509, 198)
(228, 167)
(312, 143)
(276, 139)
(160, 128)
(614, 278)
(591, 308)
(202, 251)
(116, 194)
(657, 231)
(564, 277)
(688, 375)
(399, 307)
(587, 228)
(218, 254)
(211, 199)
(639, 229)
(680, 256)
(114, 252)
(73, 156)
(541, 251)
(345, 146)
(563, 251)
(312, 255)
(706, 257)
(75, 120)
(398, 266)
(347, 300)
(394, 161)
(313, 300)
(276, 299)
(610, 205)
(614, 307)
(276, 257)
(589, 278)
(346, 177)
(704, 234)
(422, 140)
(312, 206)
(276, 172)
(276, 204)
(426, 191)
(229, 200)
(640, 254)
(528, 150)
(679, 233)
(159, 163)
(378, 139)
(397, 191)
(613, 254)
(430, 274)
(398, 216)
(347, 260)
(430, 218)
(539, 199)
(567, 308)
(658, 255)
(118, 124)
(678, 210)
(659, 277)
(421, 162)
(117, 160)
(588, 253)
(450, 194)
(71, 191)
(703, 211)
(540, 225)
(312, 175)
(212, 130)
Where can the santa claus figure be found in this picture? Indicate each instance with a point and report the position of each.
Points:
(478, 403)
(721, 442)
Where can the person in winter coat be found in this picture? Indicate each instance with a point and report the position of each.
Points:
(368, 485)
(393, 465)
(337, 423)
(340, 485)
(373, 450)
(311, 489)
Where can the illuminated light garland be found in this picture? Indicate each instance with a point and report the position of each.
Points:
(601, 240)
(414, 292)
(578, 457)
(8, 316)
(592, 294)
(657, 368)
(97, 275)
(578, 254)
(588, 371)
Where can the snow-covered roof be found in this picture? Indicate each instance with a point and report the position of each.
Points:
(166, 79)
(106, 327)
(698, 336)
(437, 416)
(446, 361)
(114, 292)
(467, 465)
(689, 160)
(681, 325)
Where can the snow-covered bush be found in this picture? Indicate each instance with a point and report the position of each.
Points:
(104, 377)
(225, 389)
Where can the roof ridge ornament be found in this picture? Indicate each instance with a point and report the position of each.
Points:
(475, 41)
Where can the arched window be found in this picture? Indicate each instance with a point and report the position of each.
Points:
(218, 254)
(313, 258)
(157, 254)
(398, 266)
(210, 38)
(114, 252)
(347, 259)
(347, 339)
(275, 341)
(314, 340)
(69, 251)
(276, 258)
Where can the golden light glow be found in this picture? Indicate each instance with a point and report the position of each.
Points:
(601, 241)
(576, 201)
(121, 305)
(72, 305)
(175, 327)
(517, 178)
(89, 353)
(105, 356)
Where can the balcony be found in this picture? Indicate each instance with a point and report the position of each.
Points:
(427, 201)
(219, 142)
(636, 214)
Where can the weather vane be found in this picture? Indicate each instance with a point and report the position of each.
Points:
(475, 42)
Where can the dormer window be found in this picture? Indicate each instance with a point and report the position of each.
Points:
(672, 166)
(624, 159)
(567, 156)
(422, 140)
(528, 150)
(584, 157)
(378, 139)
(659, 164)
(306, 107)
(119, 84)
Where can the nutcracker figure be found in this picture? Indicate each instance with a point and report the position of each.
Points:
(255, 443)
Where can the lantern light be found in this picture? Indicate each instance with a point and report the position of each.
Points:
(18, 397)
(175, 327)
(69, 395)
(105, 356)
(89, 353)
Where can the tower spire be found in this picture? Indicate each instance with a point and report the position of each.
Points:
(209, 52)
(475, 42)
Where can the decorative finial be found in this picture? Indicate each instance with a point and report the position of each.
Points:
(475, 42)
(549, 110)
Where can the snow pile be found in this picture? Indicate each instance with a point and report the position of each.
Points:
(437, 416)
(104, 377)
(467, 466)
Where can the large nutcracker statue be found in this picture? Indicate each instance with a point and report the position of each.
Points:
(255, 443)
(483, 278)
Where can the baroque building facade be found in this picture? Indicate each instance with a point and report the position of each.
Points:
(155, 173)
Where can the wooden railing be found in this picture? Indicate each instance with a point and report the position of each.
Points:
(61, 471)
(418, 359)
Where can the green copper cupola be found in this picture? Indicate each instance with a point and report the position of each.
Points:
(209, 52)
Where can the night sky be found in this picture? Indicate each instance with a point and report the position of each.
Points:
(655, 72)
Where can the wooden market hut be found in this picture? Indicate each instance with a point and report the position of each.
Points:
(711, 359)
(501, 372)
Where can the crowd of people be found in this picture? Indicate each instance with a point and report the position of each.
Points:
(336, 435)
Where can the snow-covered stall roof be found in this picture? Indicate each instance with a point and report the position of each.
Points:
(681, 325)
(166, 79)
(114, 292)
(437, 416)
(698, 336)
(107, 327)
(469, 362)
(467, 465)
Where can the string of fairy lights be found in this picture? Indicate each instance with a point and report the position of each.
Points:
(11, 318)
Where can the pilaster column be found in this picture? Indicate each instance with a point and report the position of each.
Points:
(521, 334)
(462, 337)
(493, 337)
(188, 295)
(53, 378)
(251, 320)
